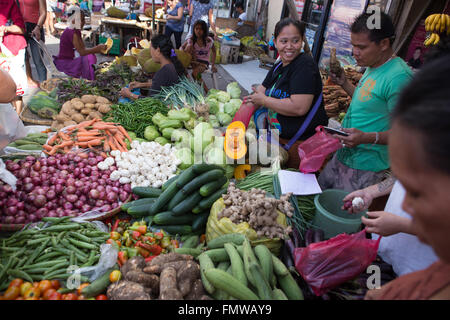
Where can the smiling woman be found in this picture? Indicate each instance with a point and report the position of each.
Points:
(422, 118)
(292, 90)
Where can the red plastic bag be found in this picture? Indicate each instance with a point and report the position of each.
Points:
(314, 151)
(327, 264)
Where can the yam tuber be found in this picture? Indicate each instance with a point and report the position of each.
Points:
(335, 66)
(133, 264)
(126, 290)
(147, 280)
(169, 257)
(168, 289)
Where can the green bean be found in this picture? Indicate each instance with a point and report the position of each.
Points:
(82, 244)
(56, 267)
(20, 274)
(80, 236)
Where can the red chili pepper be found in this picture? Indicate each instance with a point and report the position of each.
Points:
(137, 244)
(152, 248)
(135, 235)
(143, 252)
(123, 256)
(159, 235)
(116, 224)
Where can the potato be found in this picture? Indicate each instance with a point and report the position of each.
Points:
(69, 123)
(77, 117)
(75, 100)
(85, 111)
(78, 105)
(95, 115)
(59, 126)
(89, 105)
(104, 108)
(68, 108)
(89, 98)
(61, 117)
(103, 100)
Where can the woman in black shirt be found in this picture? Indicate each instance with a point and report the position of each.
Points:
(291, 89)
(162, 52)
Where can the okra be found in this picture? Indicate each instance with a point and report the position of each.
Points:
(64, 227)
(80, 236)
(82, 244)
(44, 264)
(20, 274)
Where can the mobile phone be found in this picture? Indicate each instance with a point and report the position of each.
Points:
(335, 131)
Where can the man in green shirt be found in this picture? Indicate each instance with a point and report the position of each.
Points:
(364, 160)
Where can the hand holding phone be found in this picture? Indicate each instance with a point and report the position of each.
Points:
(335, 131)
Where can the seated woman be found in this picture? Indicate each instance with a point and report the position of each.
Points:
(291, 92)
(201, 47)
(83, 66)
(162, 52)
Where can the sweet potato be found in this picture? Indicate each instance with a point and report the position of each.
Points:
(126, 290)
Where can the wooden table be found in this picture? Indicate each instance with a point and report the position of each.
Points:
(123, 24)
(159, 23)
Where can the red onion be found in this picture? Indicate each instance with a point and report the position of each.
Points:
(106, 173)
(102, 194)
(64, 160)
(99, 158)
(116, 184)
(31, 197)
(68, 206)
(15, 167)
(85, 208)
(36, 181)
(92, 161)
(127, 187)
(347, 204)
(106, 208)
(30, 159)
(101, 181)
(77, 158)
(65, 167)
(63, 174)
(61, 214)
(27, 165)
(82, 198)
(28, 187)
(9, 220)
(99, 203)
(59, 211)
(70, 181)
(42, 212)
(51, 161)
(94, 185)
(91, 155)
(37, 166)
(52, 213)
(100, 188)
(51, 205)
(76, 172)
(91, 202)
(22, 173)
(51, 170)
(40, 201)
(19, 220)
(59, 188)
(87, 170)
(71, 189)
(20, 205)
(81, 165)
(111, 197)
(11, 202)
(94, 194)
(44, 169)
(114, 205)
(79, 204)
(43, 161)
(44, 176)
(78, 184)
(32, 217)
(53, 180)
(51, 194)
(71, 167)
(39, 191)
(11, 211)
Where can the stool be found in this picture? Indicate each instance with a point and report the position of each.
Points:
(229, 53)
(233, 56)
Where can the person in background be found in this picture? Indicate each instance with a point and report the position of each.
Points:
(416, 62)
(7, 87)
(49, 24)
(175, 21)
(419, 150)
(34, 13)
(201, 47)
(242, 14)
(363, 160)
(71, 41)
(162, 52)
(202, 10)
(291, 90)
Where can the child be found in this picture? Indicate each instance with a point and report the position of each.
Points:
(200, 46)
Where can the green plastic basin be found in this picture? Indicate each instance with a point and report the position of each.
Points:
(331, 218)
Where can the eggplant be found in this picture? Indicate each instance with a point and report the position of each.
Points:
(318, 235)
(297, 238)
(286, 256)
(309, 237)
(290, 247)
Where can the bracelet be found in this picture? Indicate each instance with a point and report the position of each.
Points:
(377, 136)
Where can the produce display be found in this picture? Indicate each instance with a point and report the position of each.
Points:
(438, 25)
(44, 105)
(336, 100)
(32, 141)
(57, 186)
(145, 60)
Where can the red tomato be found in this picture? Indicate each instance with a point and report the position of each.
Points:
(15, 283)
(32, 293)
(44, 285)
(115, 275)
(24, 287)
(70, 296)
(48, 293)
(55, 284)
(101, 297)
(55, 296)
(11, 293)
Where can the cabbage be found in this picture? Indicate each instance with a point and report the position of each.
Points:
(151, 133)
(229, 171)
(213, 121)
(203, 136)
(234, 90)
(214, 155)
(213, 105)
(186, 157)
(221, 105)
(223, 96)
(232, 106)
(212, 92)
(224, 118)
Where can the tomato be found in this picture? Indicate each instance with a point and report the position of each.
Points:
(11, 293)
(32, 293)
(44, 285)
(81, 297)
(20, 298)
(48, 293)
(83, 285)
(24, 287)
(55, 284)
(70, 296)
(115, 275)
(101, 297)
(35, 284)
(55, 296)
(15, 283)
(115, 235)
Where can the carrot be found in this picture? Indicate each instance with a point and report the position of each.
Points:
(86, 123)
(88, 133)
(82, 144)
(95, 142)
(102, 126)
(64, 144)
(112, 143)
(47, 147)
(52, 139)
(89, 138)
(124, 132)
(63, 135)
(53, 151)
(103, 154)
(67, 149)
(106, 146)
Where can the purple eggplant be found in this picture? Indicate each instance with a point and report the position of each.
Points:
(286, 256)
(318, 235)
(290, 246)
(309, 237)
(297, 238)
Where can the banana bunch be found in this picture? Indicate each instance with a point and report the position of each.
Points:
(432, 40)
(438, 23)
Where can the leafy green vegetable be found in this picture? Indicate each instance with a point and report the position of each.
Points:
(213, 105)
(151, 133)
(224, 118)
(186, 156)
(223, 96)
(234, 90)
(203, 136)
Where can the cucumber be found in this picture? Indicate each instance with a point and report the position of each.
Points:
(206, 264)
(290, 287)
(178, 229)
(139, 210)
(197, 210)
(236, 238)
(99, 285)
(186, 176)
(200, 221)
(127, 205)
(278, 294)
(167, 217)
(248, 258)
(179, 197)
(164, 198)
(224, 281)
(191, 242)
(209, 201)
(30, 147)
(169, 182)
(237, 265)
(24, 141)
(203, 167)
(278, 267)
(265, 260)
(218, 255)
(262, 286)
(210, 187)
(147, 192)
(199, 181)
(190, 251)
(187, 205)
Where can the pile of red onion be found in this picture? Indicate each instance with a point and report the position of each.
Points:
(58, 186)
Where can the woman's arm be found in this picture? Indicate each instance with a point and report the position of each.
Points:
(78, 43)
(11, 29)
(294, 106)
(179, 15)
(7, 87)
(212, 23)
(42, 16)
(213, 57)
(191, 10)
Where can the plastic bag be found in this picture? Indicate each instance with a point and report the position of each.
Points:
(11, 127)
(7, 176)
(108, 258)
(216, 228)
(15, 66)
(327, 264)
(314, 151)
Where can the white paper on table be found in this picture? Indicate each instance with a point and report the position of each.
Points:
(298, 183)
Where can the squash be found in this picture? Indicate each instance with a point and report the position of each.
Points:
(109, 43)
(240, 172)
(235, 147)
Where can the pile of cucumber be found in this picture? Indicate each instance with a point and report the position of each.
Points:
(183, 203)
(33, 141)
(231, 269)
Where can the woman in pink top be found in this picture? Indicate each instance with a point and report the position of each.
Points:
(82, 66)
(34, 13)
(200, 46)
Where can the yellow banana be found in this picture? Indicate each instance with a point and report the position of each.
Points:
(434, 23)
(443, 23)
(437, 39)
(428, 21)
(428, 40)
(447, 19)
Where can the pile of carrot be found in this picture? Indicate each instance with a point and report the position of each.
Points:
(94, 134)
